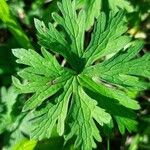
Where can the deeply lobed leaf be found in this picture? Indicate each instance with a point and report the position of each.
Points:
(91, 90)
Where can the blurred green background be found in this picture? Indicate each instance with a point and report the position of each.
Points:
(17, 30)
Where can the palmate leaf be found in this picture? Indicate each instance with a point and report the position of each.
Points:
(91, 90)
(45, 86)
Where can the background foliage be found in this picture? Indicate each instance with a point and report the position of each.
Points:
(17, 30)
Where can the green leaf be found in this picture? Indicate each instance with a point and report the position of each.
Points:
(47, 117)
(107, 37)
(25, 145)
(92, 10)
(51, 39)
(109, 92)
(115, 5)
(4, 10)
(73, 24)
(92, 88)
(124, 116)
(124, 68)
(51, 77)
(36, 63)
(84, 112)
(8, 99)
